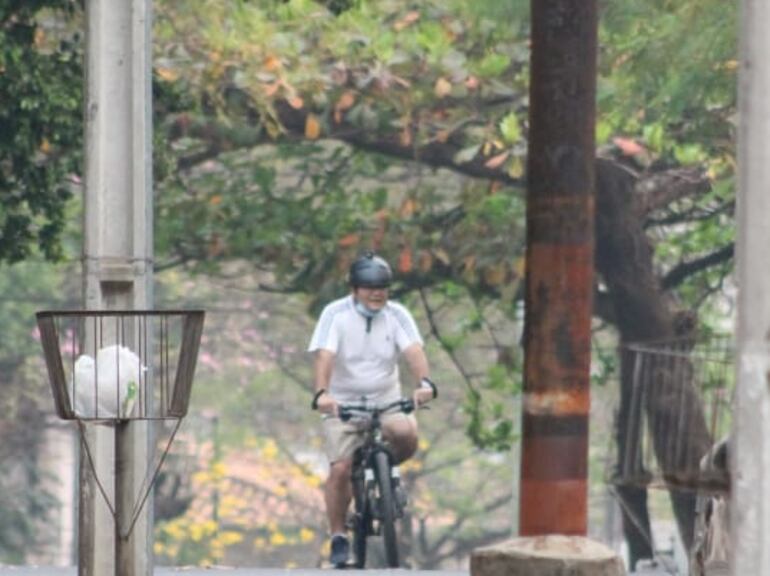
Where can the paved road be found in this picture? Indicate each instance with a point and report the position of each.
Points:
(224, 571)
(50, 571)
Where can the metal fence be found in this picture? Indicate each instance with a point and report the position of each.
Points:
(675, 408)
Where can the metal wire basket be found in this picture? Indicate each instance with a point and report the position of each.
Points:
(675, 409)
(121, 364)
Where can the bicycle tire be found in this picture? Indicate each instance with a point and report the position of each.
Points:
(361, 519)
(387, 509)
(359, 540)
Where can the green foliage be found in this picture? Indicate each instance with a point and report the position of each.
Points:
(440, 72)
(392, 64)
(510, 129)
(488, 429)
(40, 127)
(690, 103)
(293, 213)
(24, 397)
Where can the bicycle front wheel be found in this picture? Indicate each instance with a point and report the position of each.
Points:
(359, 540)
(387, 508)
(362, 520)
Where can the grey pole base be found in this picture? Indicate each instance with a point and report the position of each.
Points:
(552, 555)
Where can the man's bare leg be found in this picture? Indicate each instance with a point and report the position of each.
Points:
(338, 494)
(401, 434)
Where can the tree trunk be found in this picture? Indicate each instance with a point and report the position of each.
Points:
(624, 259)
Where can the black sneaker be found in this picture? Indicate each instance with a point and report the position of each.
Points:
(340, 551)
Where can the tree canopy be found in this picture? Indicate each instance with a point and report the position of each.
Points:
(292, 134)
(40, 125)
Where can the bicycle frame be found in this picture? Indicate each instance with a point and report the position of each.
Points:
(376, 503)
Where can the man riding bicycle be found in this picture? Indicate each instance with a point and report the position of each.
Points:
(357, 342)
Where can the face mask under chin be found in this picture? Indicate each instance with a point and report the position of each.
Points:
(364, 311)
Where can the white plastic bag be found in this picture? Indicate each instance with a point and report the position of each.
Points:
(118, 371)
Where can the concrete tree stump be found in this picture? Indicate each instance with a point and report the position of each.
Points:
(551, 555)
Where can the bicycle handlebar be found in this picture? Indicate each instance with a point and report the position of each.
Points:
(346, 411)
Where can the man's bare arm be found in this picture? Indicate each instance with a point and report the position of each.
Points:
(418, 365)
(417, 362)
(322, 373)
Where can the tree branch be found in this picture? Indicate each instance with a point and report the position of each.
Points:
(662, 188)
(680, 273)
(435, 331)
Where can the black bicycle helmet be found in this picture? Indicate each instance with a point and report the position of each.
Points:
(370, 271)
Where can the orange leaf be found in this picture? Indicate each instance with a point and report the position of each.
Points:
(296, 102)
(215, 200)
(628, 146)
(405, 260)
(272, 63)
(349, 240)
(312, 127)
(345, 102)
(409, 18)
(167, 74)
(496, 161)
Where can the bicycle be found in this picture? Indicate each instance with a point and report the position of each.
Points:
(376, 498)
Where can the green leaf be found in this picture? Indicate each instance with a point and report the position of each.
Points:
(493, 64)
(654, 136)
(689, 153)
(510, 128)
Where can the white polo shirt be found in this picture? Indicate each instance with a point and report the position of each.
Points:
(365, 361)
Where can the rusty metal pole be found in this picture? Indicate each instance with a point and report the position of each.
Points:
(559, 282)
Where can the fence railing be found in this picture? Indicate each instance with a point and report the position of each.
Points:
(675, 407)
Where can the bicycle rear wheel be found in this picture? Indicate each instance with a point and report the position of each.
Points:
(387, 508)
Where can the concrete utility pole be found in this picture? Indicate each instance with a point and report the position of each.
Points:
(117, 263)
(750, 444)
(559, 283)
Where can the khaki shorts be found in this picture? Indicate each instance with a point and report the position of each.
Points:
(342, 438)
